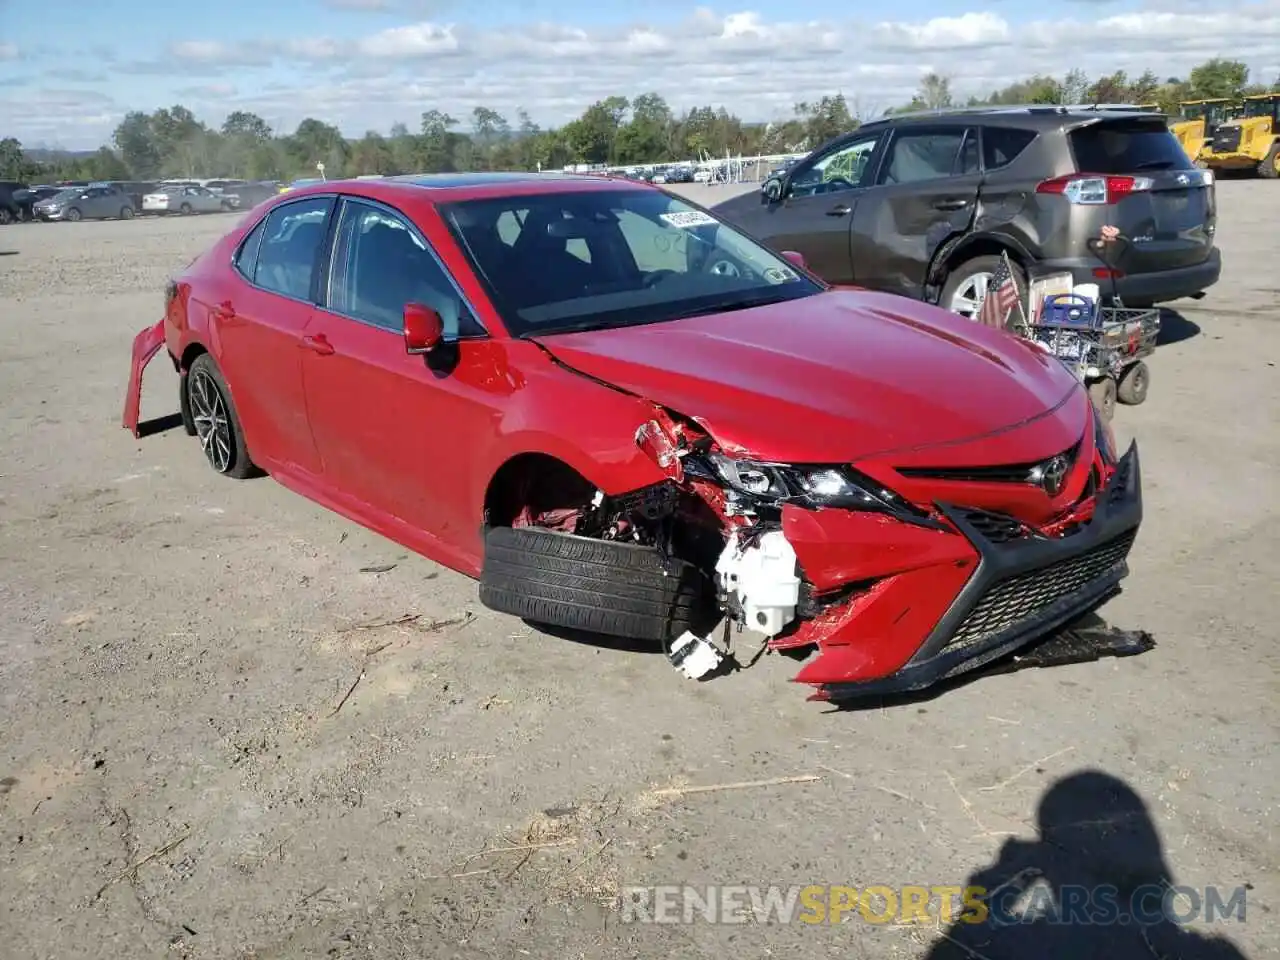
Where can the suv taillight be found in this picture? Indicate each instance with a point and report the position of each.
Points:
(1094, 189)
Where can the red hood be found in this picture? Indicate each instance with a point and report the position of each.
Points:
(831, 378)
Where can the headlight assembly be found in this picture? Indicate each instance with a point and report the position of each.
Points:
(807, 485)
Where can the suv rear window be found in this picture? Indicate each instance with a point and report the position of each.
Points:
(1127, 147)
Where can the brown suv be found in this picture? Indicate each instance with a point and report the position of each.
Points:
(924, 204)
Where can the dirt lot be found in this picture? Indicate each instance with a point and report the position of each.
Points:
(176, 778)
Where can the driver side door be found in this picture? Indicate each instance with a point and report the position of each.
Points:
(815, 216)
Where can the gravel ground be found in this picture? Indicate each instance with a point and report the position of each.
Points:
(177, 779)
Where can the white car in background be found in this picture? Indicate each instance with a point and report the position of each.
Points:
(181, 199)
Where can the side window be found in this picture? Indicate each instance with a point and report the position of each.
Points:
(380, 264)
(1001, 145)
(247, 256)
(844, 168)
(292, 237)
(919, 155)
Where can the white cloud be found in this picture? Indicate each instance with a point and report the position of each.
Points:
(755, 65)
(8, 51)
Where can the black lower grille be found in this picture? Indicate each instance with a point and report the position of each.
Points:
(995, 527)
(1227, 139)
(1021, 597)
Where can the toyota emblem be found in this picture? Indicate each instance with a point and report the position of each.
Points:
(1053, 475)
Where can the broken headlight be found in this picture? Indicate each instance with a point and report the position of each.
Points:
(808, 485)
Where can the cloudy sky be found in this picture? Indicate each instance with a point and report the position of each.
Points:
(70, 69)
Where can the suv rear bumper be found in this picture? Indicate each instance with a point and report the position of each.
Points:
(1143, 288)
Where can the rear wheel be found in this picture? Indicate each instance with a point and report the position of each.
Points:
(216, 422)
(1103, 394)
(6, 215)
(185, 209)
(126, 213)
(967, 284)
(594, 586)
(1133, 385)
(1270, 166)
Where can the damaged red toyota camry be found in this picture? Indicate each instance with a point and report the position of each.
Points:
(626, 417)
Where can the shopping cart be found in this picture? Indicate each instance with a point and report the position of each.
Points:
(1103, 344)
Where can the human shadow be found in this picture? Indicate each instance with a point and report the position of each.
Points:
(1174, 328)
(1094, 884)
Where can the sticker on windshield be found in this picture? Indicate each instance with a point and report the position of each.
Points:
(691, 218)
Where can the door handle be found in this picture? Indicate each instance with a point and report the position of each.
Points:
(840, 210)
(950, 204)
(319, 344)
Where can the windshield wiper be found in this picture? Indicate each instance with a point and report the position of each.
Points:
(745, 304)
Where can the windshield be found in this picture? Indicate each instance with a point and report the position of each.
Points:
(1259, 108)
(69, 194)
(556, 262)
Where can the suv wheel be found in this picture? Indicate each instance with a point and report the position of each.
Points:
(1270, 166)
(967, 284)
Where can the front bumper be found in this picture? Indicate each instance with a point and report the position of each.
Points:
(49, 215)
(1143, 288)
(1020, 591)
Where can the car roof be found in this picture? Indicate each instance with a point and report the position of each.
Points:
(452, 187)
(1042, 116)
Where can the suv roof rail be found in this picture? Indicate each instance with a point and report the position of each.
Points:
(1013, 108)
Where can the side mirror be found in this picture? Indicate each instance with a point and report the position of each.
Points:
(772, 190)
(423, 328)
(796, 258)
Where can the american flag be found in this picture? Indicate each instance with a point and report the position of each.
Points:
(1001, 296)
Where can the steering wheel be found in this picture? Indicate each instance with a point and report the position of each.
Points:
(837, 183)
(656, 277)
(724, 268)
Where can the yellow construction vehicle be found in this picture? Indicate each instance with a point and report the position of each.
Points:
(1199, 121)
(1250, 141)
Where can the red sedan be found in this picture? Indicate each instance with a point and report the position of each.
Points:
(627, 417)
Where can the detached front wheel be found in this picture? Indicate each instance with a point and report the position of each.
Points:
(1103, 394)
(594, 586)
(216, 423)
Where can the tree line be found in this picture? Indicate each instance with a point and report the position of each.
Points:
(172, 142)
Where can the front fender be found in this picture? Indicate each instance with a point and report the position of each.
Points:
(145, 346)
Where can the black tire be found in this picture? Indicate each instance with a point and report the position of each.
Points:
(185, 209)
(1103, 394)
(594, 586)
(6, 216)
(1270, 165)
(226, 453)
(1132, 389)
(126, 213)
(74, 215)
(958, 277)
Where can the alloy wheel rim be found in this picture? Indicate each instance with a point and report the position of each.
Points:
(967, 299)
(213, 426)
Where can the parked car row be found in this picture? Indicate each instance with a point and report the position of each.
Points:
(125, 199)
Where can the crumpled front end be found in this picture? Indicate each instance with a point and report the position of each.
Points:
(900, 577)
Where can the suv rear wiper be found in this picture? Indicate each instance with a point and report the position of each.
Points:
(1155, 165)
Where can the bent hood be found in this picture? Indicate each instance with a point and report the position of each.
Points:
(836, 377)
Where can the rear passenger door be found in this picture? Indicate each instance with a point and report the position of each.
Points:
(260, 323)
(926, 190)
